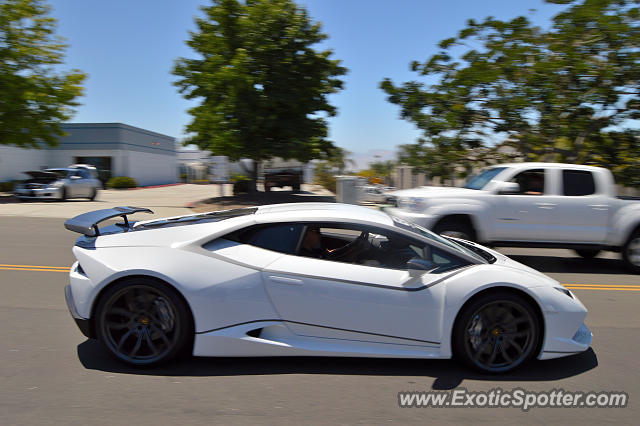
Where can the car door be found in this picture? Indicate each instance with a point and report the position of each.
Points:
(582, 211)
(73, 184)
(85, 183)
(525, 215)
(345, 300)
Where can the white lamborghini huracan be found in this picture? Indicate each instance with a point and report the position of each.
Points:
(318, 279)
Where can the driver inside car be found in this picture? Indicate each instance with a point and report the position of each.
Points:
(313, 246)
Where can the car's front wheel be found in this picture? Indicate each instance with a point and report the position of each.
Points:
(143, 322)
(452, 227)
(497, 332)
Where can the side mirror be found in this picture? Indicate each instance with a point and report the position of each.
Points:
(508, 188)
(417, 266)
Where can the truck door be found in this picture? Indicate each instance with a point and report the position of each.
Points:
(525, 215)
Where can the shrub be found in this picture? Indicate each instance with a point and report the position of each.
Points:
(325, 178)
(6, 186)
(118, 182)
(240, 184)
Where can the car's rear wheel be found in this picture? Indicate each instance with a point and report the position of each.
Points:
(631, 252)
(587, 253)
(497, 332)
(143, 322)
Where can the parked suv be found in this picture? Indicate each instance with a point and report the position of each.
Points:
(532, 205)
(75, 181)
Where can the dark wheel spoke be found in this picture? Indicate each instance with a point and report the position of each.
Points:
(515, 322)
(120, 311)
(124, 338)
(516, 334)
(494, 353)
(136, 347)
(504, 353)
(147, 337)
(117, 325)
(515, 345)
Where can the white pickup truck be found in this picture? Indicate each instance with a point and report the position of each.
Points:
(531, 205)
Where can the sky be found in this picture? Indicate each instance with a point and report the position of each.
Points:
(128, 48)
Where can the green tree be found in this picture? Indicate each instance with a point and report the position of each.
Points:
(553, 94)
(261, 86)
(34, 97)
(382, 169)
(338, 159)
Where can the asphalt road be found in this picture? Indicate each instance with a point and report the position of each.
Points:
(51, 374)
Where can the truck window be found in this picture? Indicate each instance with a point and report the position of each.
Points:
(578, 182)
(531, 182)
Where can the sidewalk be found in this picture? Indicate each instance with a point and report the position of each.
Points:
(174, 200)
(164, 201)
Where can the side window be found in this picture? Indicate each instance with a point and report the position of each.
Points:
(578, 182)
(445, 261)
(531, 182)
(372, 247)
(85, 174)
(282, 238)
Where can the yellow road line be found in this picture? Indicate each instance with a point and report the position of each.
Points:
(35, 269)
(603, 285)
(66, 268)
(611, 288)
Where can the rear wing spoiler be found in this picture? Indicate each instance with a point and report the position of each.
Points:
(87, 223)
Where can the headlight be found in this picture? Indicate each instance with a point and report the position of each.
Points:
(565, 291)
(412, 203)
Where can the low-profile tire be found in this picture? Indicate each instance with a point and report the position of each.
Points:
(631, 252)
(496, 333)
(587, 253)
(94, 193)
(143, 322)
(456, 228)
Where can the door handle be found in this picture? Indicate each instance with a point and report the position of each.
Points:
(599, 206)
(284, 280)
(547, 206)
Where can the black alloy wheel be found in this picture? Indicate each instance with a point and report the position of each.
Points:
(497, 333)
(143, 322)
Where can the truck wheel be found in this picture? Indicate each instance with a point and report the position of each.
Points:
(631, 252)
(587, 253)
(452, 227)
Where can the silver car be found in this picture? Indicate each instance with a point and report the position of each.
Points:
(77, 181)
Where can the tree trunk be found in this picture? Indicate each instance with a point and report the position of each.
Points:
(253, 183)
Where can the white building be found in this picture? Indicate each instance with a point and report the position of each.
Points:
(115, 149)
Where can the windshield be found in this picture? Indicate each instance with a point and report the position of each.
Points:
(401, 223)
(479, 180)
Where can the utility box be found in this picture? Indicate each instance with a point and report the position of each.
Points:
(346, 190)
(219, 169)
